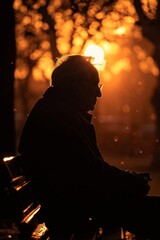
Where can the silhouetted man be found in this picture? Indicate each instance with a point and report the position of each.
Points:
(71, 179)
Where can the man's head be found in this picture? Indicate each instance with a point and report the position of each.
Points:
(76, 77)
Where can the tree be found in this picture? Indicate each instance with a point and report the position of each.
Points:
(7, 65)
(150, 22)
(47, 29)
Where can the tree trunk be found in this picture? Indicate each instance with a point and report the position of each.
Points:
(7, 66)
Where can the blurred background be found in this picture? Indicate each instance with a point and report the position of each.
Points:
(123, 36)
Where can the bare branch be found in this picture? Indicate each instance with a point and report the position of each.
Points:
(142, 17)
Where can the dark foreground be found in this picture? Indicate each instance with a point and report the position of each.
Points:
(20, 217)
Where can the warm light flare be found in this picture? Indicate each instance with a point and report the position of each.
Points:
(97, 53)
(120, 31)
(5, 159)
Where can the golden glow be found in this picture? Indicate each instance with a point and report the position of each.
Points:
(148, 65)
(43, 68)
(39, 231)
(130, 74)
(63, 46)
(149, 7)
(72, 33)
(36, 54)
(21, 71)
(122, 64)
(120, 30)
(27, 20)
(5, 159)
(37, 74)
(141, 54)
(97, 53)
(22, 44)
(31, 214)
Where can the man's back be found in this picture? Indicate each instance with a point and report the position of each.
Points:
(62, 158)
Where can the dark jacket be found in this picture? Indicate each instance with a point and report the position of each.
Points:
(64, 163)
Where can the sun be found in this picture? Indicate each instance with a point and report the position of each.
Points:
(97, 53)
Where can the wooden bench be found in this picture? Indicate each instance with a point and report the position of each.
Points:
(19, 210)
